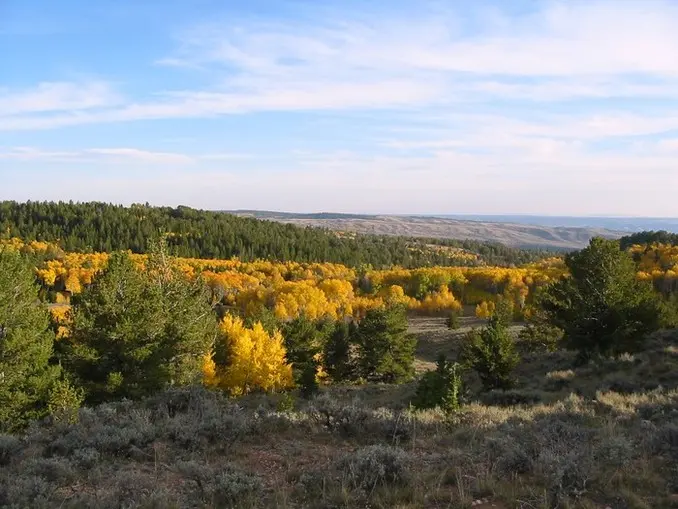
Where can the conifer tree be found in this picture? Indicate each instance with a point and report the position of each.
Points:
(337, 354)
(136, 331)
(440, 388)
(601, 306)
(26, 343)
(385, 350)
(491, 352)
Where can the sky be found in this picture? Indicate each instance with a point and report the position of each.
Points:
(540, 107)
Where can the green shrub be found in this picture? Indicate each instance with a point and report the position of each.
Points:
(54, 470)
(308, 381)
(665, 441)
(453, 322)
(510, 398)
(23, 491)
(233, 487)
(504, 310)
(65, 401)
(348, 420)
(539, 334)
(86, 458)
(491, 352)
(285, 403)
(227, 487)
(9, 446)
(440, 388)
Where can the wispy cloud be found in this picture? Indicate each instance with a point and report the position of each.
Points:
(530, 181)
(51, 97)
(114, 155)
(563, 51)
(572, 104)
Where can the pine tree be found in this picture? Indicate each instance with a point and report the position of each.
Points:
(601, 306)
(135, 332)
(453, 321)
(385, 350)
(491, 352)
(440, 388)
(26, 343)
(305, 340)
(337, 354)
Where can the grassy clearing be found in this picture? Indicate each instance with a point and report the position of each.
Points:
(595, 436)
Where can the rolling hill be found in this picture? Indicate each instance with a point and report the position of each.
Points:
(511, 234)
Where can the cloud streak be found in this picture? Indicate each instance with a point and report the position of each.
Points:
(572, 105)
(48, 97)
(93, 155)
(564, 51)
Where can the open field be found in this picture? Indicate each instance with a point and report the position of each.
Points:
(514, 235)
(596, 436)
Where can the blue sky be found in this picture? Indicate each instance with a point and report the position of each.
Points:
(527, 106)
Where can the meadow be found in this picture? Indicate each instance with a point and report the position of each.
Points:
(595, 436)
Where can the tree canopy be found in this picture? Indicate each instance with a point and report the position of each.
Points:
(94, 226)
(136, 331)
(601, 305)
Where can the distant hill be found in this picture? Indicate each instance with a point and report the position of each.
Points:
(622, 224)
(515, 234)
(263, 214)
(86, 227)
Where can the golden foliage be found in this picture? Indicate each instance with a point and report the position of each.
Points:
(439, 302)
(61, 318)
(256, 360)
(328, 290)
(485, 309)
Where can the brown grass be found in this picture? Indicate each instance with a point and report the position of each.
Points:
(596, 436)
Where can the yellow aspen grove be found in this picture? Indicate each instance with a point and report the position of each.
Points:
(485, 309)
(61, 319)
(334, 291)
(209, 371)
(441, 301)
(395, 295)
(256, 360)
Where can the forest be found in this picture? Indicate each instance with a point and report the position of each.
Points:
(85, 331)
(101, 227)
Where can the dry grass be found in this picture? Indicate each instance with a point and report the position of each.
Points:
(579, 443)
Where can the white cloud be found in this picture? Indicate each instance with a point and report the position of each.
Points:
(668, 145)
(560, 181)
(141, 155)
(50, 97)
(94, 155)
(565, 50)
(477, 117)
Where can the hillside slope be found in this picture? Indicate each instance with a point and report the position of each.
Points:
(86, 227)
(589, 437)
(510, 234)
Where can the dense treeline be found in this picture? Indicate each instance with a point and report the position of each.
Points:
(87, 227)
(649, 237)
(140, 323)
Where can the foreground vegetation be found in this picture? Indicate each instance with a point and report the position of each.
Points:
(600, 435)
(161, 381)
